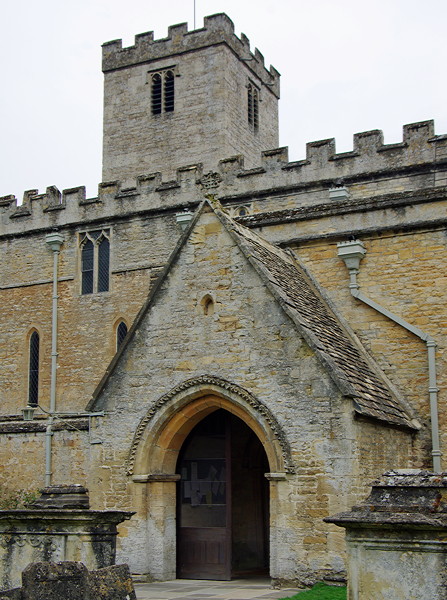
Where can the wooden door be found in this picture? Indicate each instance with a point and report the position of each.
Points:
(204, 506)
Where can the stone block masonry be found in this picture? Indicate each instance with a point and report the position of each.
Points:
(414, 166)
(211, 70)
(248, 339)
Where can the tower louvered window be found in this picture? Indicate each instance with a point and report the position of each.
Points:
(156, 94)
(33, 378)
(121, 332)
(253, 106)
(95, 262)
(162, 92)
(169, 91)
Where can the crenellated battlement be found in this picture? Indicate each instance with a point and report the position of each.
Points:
(369, 160)
(217, 29)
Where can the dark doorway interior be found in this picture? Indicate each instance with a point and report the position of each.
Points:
(222, 518)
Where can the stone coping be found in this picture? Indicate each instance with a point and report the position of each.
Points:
(401, 499)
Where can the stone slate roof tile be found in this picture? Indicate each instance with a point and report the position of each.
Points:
(348, 365)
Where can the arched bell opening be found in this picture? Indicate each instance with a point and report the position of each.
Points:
(222, 501)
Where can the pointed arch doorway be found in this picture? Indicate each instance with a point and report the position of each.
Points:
(222, 501)
(153, 465)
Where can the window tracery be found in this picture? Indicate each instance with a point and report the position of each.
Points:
(162, 92)
(95, 261)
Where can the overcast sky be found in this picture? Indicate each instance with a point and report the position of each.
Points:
(347, 66)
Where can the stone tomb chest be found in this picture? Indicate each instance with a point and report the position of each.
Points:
(59, 527)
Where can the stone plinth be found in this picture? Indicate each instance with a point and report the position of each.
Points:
(63, 496)
(397, 539)
(57, 534)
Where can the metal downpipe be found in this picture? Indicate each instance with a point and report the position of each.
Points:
(54, 240)
(351, 253)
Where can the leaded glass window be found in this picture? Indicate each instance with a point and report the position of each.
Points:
(87, 267)
(121, 332)
(103, 264)
(33, 378)
(95, 261)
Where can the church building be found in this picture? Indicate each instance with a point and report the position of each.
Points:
(228, 343)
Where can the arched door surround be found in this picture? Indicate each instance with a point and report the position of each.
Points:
(161, 433)
(154, 453)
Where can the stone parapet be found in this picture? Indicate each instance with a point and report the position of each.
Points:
(218, 29)
(421, 153)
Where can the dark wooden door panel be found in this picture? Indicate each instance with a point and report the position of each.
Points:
(204, 501)
(223, 501)
(203, 553)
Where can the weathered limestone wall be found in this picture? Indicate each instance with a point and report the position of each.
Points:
(403, 273)
(87, 323)
(248, 340)
(23, 451)
(396, 538)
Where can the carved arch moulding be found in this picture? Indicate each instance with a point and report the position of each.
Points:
(227, 395)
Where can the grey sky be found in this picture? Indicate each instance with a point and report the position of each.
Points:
(346, 66)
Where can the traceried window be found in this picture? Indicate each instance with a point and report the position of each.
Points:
(33, 375)
(162, 92)
(95, 261)
(121, 332)
(253, 106)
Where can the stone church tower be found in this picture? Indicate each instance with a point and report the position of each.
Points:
(201, 94)
(190, 341)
